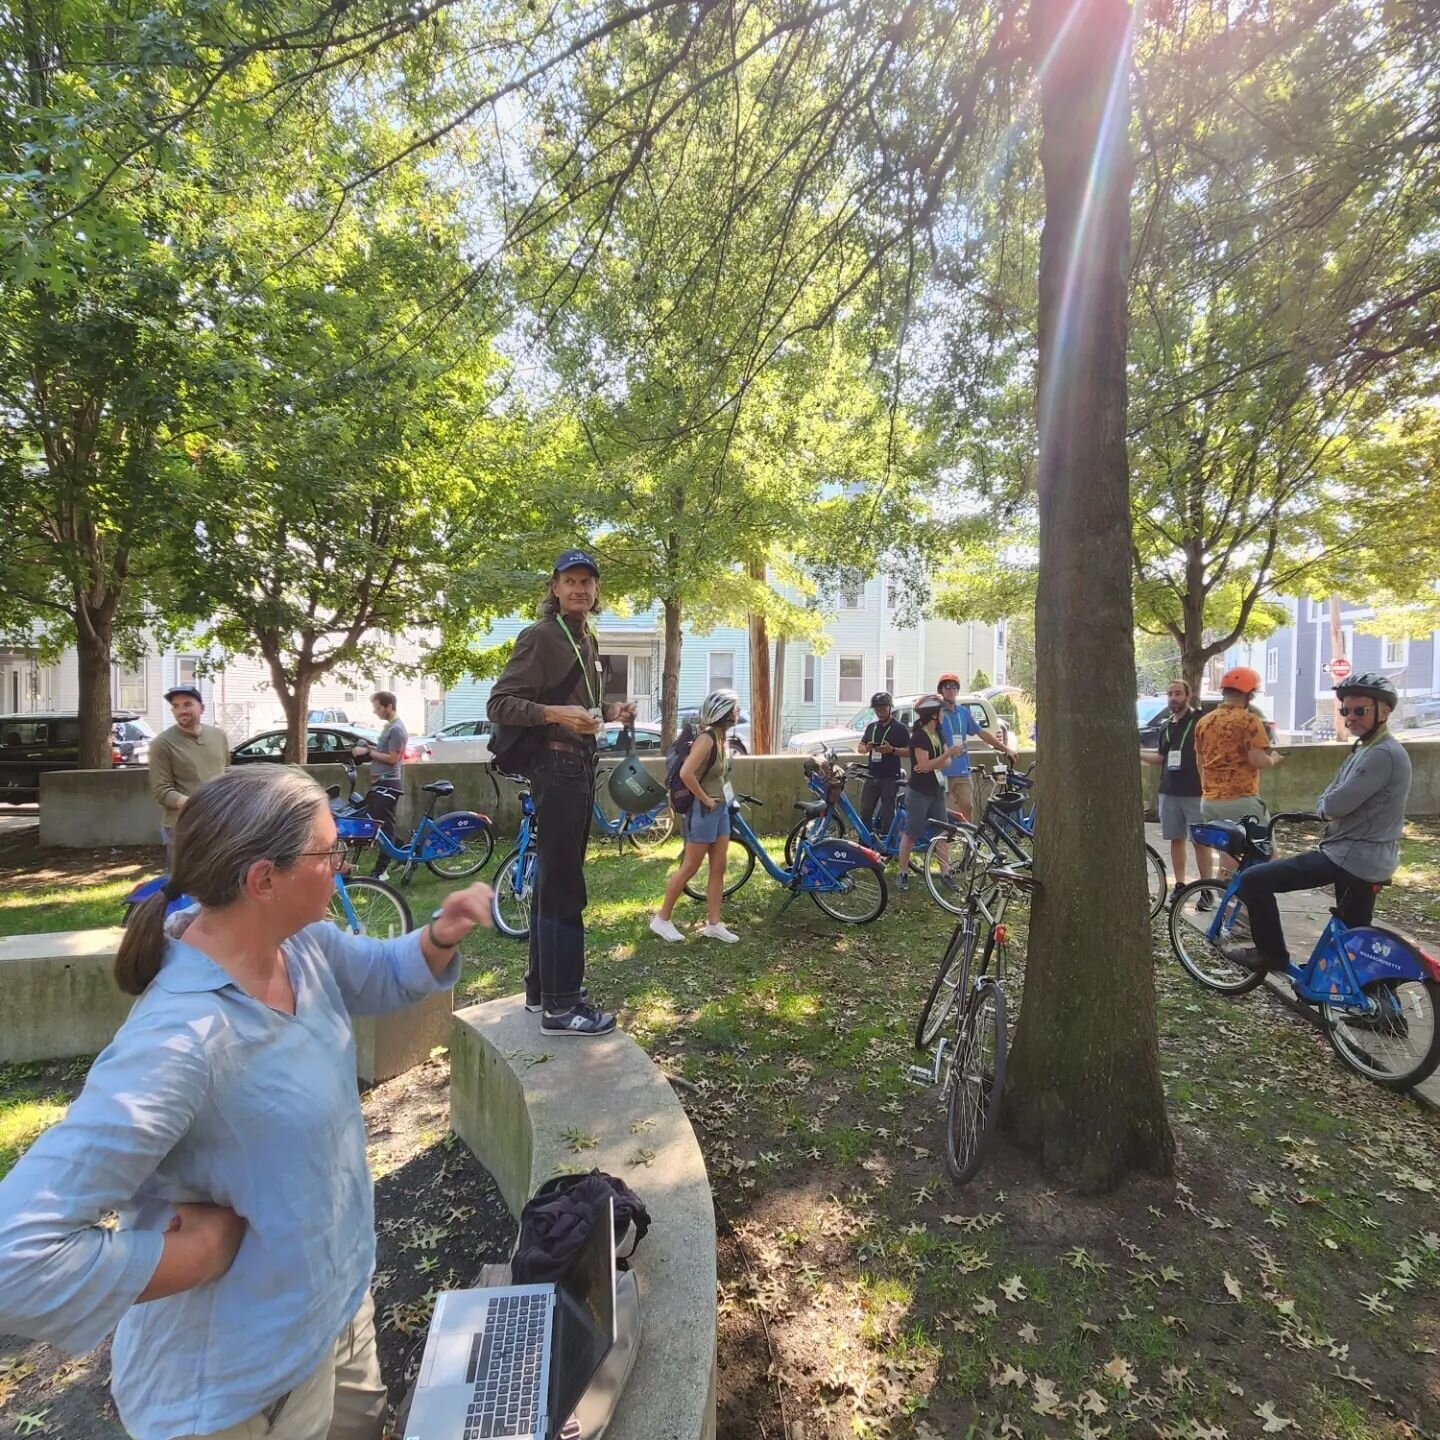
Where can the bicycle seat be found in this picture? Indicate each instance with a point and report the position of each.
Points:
(1005, 875)
(813, 808)
(439, 787)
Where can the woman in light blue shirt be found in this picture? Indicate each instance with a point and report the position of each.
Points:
(223, 1126)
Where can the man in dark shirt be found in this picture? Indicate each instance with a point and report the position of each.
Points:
(884, 742)
(387, 763)
(554, 685)
(1179, 781)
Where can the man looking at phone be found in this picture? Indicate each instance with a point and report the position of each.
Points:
(884, 742)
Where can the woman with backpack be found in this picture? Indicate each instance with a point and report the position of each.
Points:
(705, 782)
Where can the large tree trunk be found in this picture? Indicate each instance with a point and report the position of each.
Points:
(761, 732)
(92, 647)
(294, 699)
(670, 672)
(1085, 1089)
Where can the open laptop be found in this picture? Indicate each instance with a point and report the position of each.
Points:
(511, 1362)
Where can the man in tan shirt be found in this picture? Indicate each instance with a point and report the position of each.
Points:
(184, 756)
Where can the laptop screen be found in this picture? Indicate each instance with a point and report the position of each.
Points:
(584, 1318)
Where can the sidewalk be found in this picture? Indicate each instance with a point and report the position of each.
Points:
(1304, 914)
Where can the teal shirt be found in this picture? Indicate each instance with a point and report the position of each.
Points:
(207, 1094)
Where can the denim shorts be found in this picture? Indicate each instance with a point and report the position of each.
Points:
(920, 810)
(705, 827)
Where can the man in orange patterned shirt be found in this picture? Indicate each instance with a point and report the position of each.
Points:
(1233, 747)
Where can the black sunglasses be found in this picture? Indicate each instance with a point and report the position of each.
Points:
(1356, 710)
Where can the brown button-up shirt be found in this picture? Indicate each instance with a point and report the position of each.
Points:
(543, 671)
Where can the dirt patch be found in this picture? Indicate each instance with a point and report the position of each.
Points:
(439, 1217)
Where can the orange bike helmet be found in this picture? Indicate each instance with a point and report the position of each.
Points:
(947, 679)
(1241, 677)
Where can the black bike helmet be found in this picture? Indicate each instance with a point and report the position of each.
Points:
(881, 697)
(1378, 687)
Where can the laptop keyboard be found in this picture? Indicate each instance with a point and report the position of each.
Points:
(505, 1368)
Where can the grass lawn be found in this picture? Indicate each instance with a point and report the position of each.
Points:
(1285, 1282)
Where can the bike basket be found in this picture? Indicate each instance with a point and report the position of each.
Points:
(1226, 835)
(1007, 800)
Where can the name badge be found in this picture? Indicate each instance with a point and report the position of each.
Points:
(1173, 759)
(728, 790)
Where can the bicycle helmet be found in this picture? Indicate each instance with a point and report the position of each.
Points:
(631, 786)
(928, 705)
(881, 697)
(1378, 687)
(717, 705)
(947, 679)
(1241, 677)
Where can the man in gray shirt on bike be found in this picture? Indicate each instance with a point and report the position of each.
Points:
(387, 764)
(1365, 805)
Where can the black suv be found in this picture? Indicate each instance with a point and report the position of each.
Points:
(32, 744)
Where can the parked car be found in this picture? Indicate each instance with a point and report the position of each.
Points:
(324, 745)
(132, 737)
(332, 715)
(1151, 710)
(647, 739)
(844, 738)
(32, 744)
(462, 740)
(739, 732)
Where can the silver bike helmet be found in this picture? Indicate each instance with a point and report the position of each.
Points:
(1378, 687)
(717, 705)
(929, 705)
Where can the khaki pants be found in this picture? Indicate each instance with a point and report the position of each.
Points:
(342, 1399)
(960, 795)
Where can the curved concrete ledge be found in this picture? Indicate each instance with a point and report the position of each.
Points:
(514, 1096)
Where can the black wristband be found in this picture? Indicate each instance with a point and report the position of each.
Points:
(435, 940)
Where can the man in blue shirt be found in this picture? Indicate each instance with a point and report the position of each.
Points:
(957, 724)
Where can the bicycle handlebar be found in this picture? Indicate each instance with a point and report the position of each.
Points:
(1292, 817)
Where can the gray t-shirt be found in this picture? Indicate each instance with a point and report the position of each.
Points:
(1365, 805)
(393, 739)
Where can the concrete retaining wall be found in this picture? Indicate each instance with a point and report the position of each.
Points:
(513, 1112)
(60, 1000)
(86, 809)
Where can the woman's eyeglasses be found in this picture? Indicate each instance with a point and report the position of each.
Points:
(1354, 710)
(338, 853)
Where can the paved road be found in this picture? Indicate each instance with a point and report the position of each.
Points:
(1304, 914)
(17, 819)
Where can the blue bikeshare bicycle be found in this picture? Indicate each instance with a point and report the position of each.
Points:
(1376, 990)
(514, 889)
(453, 846)
(846, 880)
(645, 827)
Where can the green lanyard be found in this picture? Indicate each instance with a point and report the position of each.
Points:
(579, 660)
(1185, 736)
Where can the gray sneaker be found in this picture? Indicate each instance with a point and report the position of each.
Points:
(581, 1019)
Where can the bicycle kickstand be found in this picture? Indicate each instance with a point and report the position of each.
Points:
(789, 900)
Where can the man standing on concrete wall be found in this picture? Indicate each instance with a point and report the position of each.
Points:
(184, 756)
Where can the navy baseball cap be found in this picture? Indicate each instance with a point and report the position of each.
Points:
(569, 559)
(191, 690)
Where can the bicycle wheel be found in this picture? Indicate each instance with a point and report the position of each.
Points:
(659, 830)
(380, 910)
(1191, 917)
(739, 865)
(949, 981)
(948, 865)
(1155, 879)
(861, 898)
(833, 828)
(1400, 1046)
(975, 1082)
(476, 848)
(514, 890)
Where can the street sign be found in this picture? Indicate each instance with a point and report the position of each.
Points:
(1339, 668)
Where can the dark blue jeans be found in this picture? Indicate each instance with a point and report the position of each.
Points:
(562, 783)
(1354, 898)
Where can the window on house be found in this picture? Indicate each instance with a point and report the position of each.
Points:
(187, 669)
(890, 673)
(850, 682)
(852, 597)
(807, 681)
(892, 595)
(722, 670)
(1394, 654)
(1272, 666)
(130, 688)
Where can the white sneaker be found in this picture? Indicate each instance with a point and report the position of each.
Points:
(666, 930)
(719, 932)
